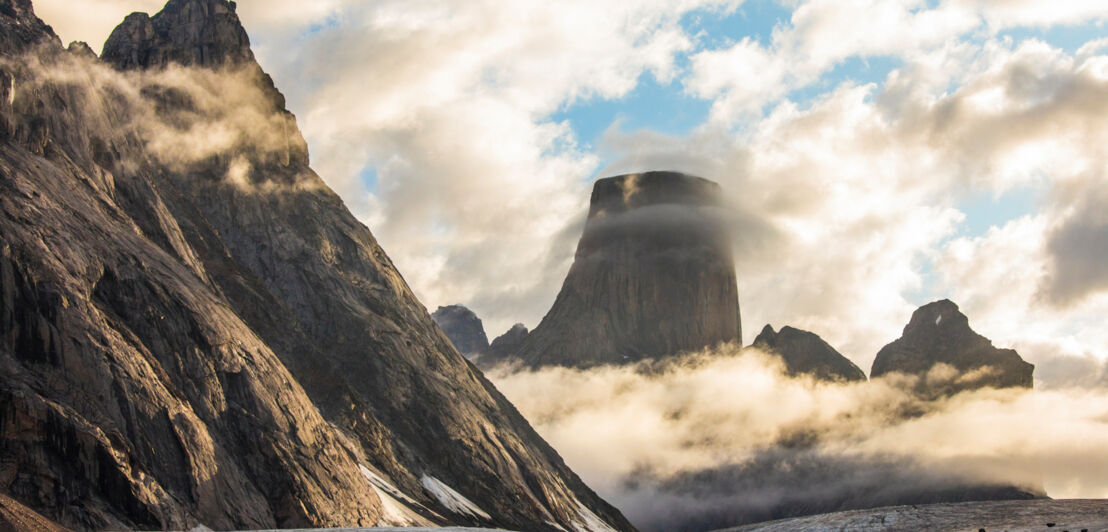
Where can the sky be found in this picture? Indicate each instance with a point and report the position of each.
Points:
(880, 154)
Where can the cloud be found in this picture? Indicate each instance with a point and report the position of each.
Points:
(721, 436)
(474, 192)
(852, 205)
(187, 120)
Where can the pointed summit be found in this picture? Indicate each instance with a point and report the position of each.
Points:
(653, 276)
(805, 353)
(939, 333)
(204, 33)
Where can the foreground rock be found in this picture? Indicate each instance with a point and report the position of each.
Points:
(805, 353)
(463, 328)
(1013, 516)
(653, 276)
(18, 518)
(194, 329)
(939, 347)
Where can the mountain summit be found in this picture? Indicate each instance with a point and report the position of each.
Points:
(653, 276)
(939, 336)
(805, 353)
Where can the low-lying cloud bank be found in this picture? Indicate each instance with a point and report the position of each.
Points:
(716, 438)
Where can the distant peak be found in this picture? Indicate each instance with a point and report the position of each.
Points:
(81, 48)
(942, 313)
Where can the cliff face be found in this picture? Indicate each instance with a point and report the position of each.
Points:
(193, 328)
(805, 353)
(463, 328)
(939, 346)
(653, 276)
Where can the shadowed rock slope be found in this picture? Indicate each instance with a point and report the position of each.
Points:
(194, 329)
(653, 276)
(463, 328)
(939, 346)
(805, 353)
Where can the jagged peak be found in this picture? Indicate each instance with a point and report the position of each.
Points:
(16, 8)
(20, 28)
(81, 48)
(204, 33)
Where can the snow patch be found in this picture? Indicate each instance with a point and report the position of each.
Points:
(393, 512)
(590, 522)
(11, 91)
(451, 499)
(938, 319)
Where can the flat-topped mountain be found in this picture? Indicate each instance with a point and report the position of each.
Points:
(939, 346)
(653, 276)
(805, 353)
(196, 332)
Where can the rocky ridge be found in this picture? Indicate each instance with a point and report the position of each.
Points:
(194, 335)
(805, 353)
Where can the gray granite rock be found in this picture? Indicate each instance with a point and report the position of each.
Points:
(217, 340)
(463, 328)
(939, 333)
(503, 348)
(653, 276)
(805, 353)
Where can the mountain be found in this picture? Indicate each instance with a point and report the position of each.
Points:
(503, 348)
(653, 276)
(939, 346)
(805, 353)
(195, 330)
(463, 328)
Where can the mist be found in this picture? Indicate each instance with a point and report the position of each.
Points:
(724, 436)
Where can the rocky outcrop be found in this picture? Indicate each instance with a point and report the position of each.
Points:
(503, 348)
(463, 328)
(805, 353)
(203, 33)
(195, 335)
(653, 276)
(18, 518)
(940, 348)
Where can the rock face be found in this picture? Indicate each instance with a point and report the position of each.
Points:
(939, 346)
(805, 353)
(186, 32)
(19, 518)
(653, 276)
(503, 348)
(197, 333)
(463, 328)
